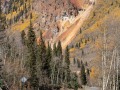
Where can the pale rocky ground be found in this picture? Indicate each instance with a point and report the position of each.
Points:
(61, 25)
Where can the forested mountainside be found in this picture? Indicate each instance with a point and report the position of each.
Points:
(59, 44)
(97, 39)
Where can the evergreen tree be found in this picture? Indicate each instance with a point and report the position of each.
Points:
(86, 64)
(31, 16)
(78, 63)
(54, 50)
(67, 61)
(82, 52)
(83, 75)
(80, 31)
(67, 57)
(2, 38)
(75, 82)
(2, 25)
(32, 56)
(77, 45)
(45, 59)
(49, 57)
(23, 37)
(59, 49)
(88, 72)
(74, 61)
(43, 52)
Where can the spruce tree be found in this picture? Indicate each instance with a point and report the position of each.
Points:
(23, 37)
(59, 49)
(67, 61)
(32, 56)
(74, 61)
(83, 75)
(54, 50)
(2, 38)
(45, 56)
(2, 25)
(43, 52)
(86, 64)
(75, 82)
(67, 57)
(78, 63)
(49, 58)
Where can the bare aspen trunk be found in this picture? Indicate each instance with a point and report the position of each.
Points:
(115, 73)
(103, 74)
(104, 61)
(117, 70)
(111, 65)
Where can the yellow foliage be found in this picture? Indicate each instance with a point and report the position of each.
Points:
(94, 73)
(97, 25)
(116, 12)
(14, 14)
(22, 26)
(98, 44)
(72, 49)
(82, 45)
(11, 15)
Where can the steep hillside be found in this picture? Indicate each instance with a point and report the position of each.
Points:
(48, 19)
(67, 36)
(54, 24)
(88, 43)
(42, 12)
(60, 44)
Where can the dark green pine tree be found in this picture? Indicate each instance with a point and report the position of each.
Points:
(67, 57)
(54, 50)
(49, 58)
(32, 57)
(23, 37)
(42, 52)
(2, 25)
(74, 61)
(75, 82)
(31, 16)
(67, 61)
(2, 38)
(78, 63)
(83, 75)
(45, 60)
(59, 49)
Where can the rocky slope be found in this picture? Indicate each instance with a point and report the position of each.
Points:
(88, 43)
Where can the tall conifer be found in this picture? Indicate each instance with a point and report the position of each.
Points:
(54, 50)
(49, 58)
(23, 37)
(32, 56)
(67, 61)
(83, 75)
(67, 56)
(59, 49)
